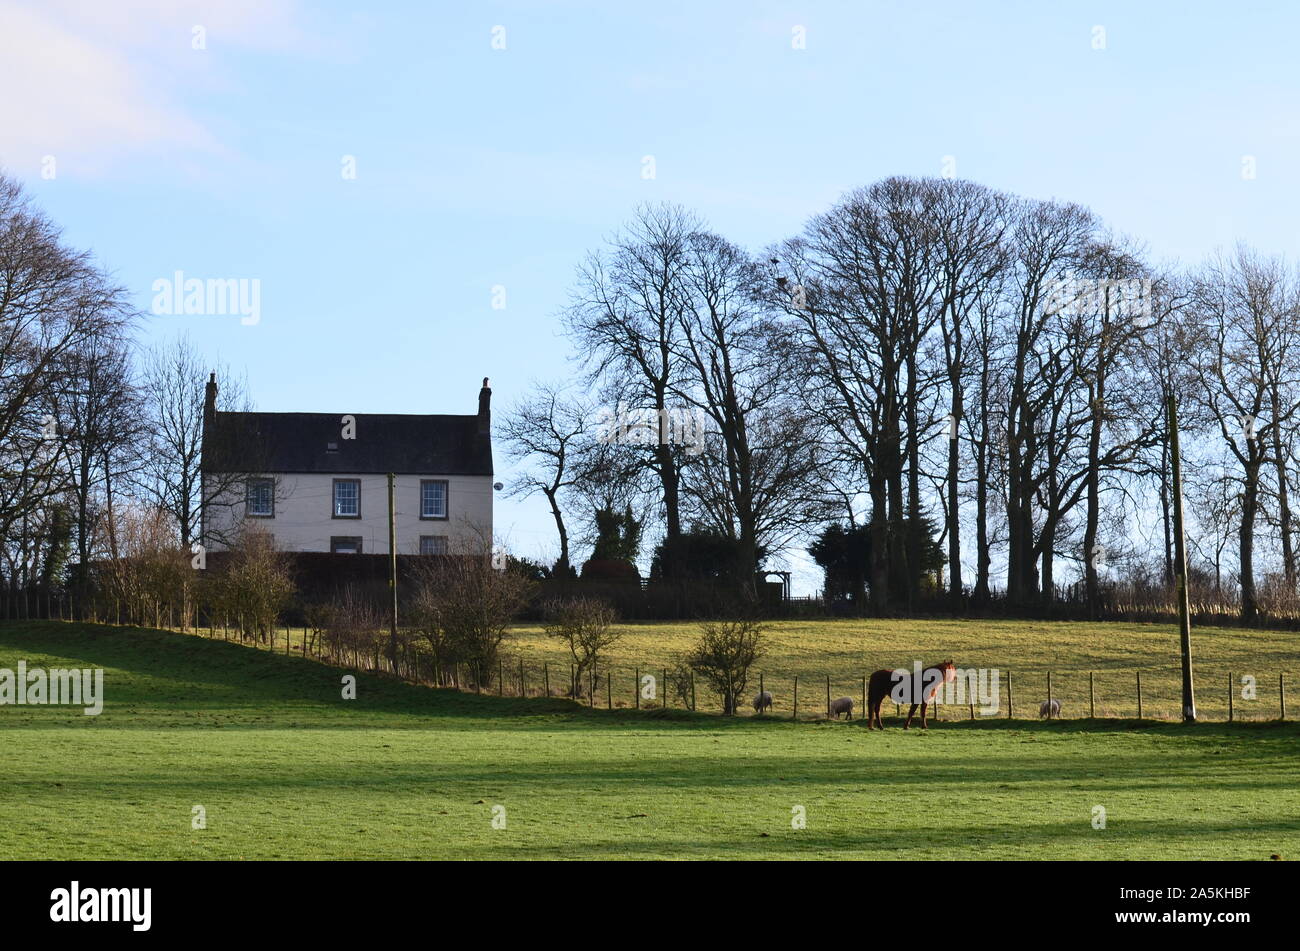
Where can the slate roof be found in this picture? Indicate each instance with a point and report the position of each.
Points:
(298, 442)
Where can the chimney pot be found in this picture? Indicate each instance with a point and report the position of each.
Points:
(210, 399)
(485, 408)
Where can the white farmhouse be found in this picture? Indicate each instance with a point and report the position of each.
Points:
(318, 482)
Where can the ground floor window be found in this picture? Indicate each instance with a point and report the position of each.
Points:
(433, 544)
(345, 544)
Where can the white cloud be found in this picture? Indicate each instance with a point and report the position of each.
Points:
(96, 83)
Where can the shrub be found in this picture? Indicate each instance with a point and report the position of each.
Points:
(608, 569)
(256, 585)
(151, 579)
(351, 624)
(723, 656)
(462, 606)
(585, 625)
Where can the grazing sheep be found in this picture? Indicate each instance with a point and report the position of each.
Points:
(1049, 708)
(763, 701)
(842, 705)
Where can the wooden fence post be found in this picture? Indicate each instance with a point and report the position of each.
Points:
(609, 692)
(523, 687)
(591, 692)
(663, 689)
(1092, 699)
(501, 677)
(1281, 696)
(636, 688)
(692, 691)
(546, 677)
(760, 691)
(1049, 695)
(1010, 698)
(1230, 693)
(795, 714)
(1139, 678)
(828, 695)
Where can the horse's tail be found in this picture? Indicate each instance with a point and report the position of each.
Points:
(877, 687)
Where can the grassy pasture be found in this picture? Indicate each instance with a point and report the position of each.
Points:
(287, 769)
(845, 650)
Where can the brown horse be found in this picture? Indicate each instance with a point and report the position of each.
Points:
(882, 685)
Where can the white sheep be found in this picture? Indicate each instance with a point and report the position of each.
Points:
(763, 701)
(842, 705)
(1049, 708)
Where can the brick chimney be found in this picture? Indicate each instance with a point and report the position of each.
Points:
(210, 400)
(485, 409)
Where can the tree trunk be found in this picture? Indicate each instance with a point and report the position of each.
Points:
(1165, 514)
(1249, 506)
(561, 566)
(1093, 516)
(1283, 497)
(879, 545)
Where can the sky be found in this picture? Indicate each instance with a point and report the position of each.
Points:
(413, 185)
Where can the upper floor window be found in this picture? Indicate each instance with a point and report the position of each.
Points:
(433, 498)
(347, 498)
(260, 500)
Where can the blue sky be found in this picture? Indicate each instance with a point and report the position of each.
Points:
(478, 167)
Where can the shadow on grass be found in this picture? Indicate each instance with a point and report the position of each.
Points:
(1037, 840)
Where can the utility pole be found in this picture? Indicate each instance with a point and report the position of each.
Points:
(392, 571)
(1180, 569)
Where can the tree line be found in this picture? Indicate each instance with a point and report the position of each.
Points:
(100, 439)
(952, 396)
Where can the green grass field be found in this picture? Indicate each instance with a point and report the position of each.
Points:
(285, 768)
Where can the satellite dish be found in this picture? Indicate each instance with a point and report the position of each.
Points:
(498, 486)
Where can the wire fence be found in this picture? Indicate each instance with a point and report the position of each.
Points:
(1143, 694)
(1148, 693)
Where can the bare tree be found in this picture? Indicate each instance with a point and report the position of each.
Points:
(970, 230)
(175, 379)
(104, 428)
(754, 479)
(1045, 419)
(53, 302)
(1246, 355)
(861, 288)
(626, 318)
(546, 430)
